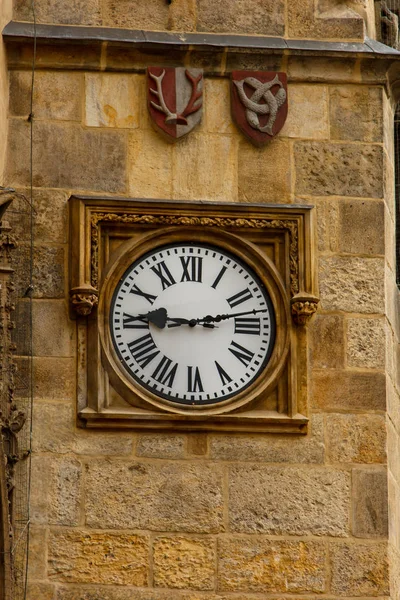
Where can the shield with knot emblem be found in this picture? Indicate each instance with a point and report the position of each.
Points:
(259, 103)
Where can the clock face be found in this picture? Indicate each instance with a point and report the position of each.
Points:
(177, 324)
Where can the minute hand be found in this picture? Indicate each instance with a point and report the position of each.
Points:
(218, 318)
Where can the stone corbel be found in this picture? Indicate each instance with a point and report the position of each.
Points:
(303, 307)
(84, 299)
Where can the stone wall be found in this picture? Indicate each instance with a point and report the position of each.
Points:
(5, 16)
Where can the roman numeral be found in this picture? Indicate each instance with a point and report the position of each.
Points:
(223, 374)
(219, 277)
(241, 353)
(143, 350)
(162, 271)
(194, 380)
(192, 268)
(250, 326)
(165, 372)
(240, 297)
(130, 322)
(136, 290)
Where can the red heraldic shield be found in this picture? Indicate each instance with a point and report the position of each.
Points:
(174, 100)
(259, 104)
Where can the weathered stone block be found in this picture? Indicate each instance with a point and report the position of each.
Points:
(53, 333)
(48, 272)
(48, 418)
(359, 569)
(271, 448)
(289, 501)
(370, 503)
(366, 343)
(266, 17)
(161, 446)
(60, 157)
(352, 284)
(56, 491)
(361, 227)
(339, 23)
(57, 95)
(54, 378)
(326, 169)
(182, 15)
(136, 14)
(258, 564)
(81, 12)
(112, 100)
(327, 342)
(264, 173)
(80, 557)
(149, 165)
(217, 96)
(108, 592)
(356, 438)
(41, 591)
(184, 563)
(37, 558)
(147, 496)
(349, 390)
(308, 114)
(356, 113)
(205, 168)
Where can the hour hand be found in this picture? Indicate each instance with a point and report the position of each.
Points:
(158, 317)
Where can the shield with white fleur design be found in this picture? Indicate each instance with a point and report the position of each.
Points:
(174, 100)
(259, 104)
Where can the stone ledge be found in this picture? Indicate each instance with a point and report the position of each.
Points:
(23, 31)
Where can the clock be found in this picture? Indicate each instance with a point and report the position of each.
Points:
(192, 323)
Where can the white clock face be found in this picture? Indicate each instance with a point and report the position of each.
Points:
(177, 324)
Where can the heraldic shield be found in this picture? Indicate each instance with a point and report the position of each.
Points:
(174, 100)
(259, 104)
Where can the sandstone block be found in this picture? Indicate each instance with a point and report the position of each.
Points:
(49, 418)
(184, 563)
(356, 113)
(71, 144)
(182, 15)
(289, 501)
(149, 165)
(359, 569)
(57, 95)
(283, 566)
(56, 491)
(308, 114)
(361, 227)
(37, 542)
(54, 378)
(136, 14)
(352, 284)
(393, 513)
(112, 100)
(356, 438)
(53, 333)
(80, 557)
(370, 503)
(265, 17)
(348, 390)
(108, 592)
(327, 215)
(147, 496)
(42, 591)
(337, 23)
(366, 343)
(271, 448)
(197, 444)
(218, 118)
(161, 446)
(48, 272)
(81, 12)
(327, 342)
(264, 173)
(205, 168)
(326, 169)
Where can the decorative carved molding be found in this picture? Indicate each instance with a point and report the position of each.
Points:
(83, 300)
(291, 226)
(303, 308)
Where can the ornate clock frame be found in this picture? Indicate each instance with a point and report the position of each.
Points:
(102, 228)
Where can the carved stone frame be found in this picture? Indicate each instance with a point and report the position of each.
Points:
(277, 240)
